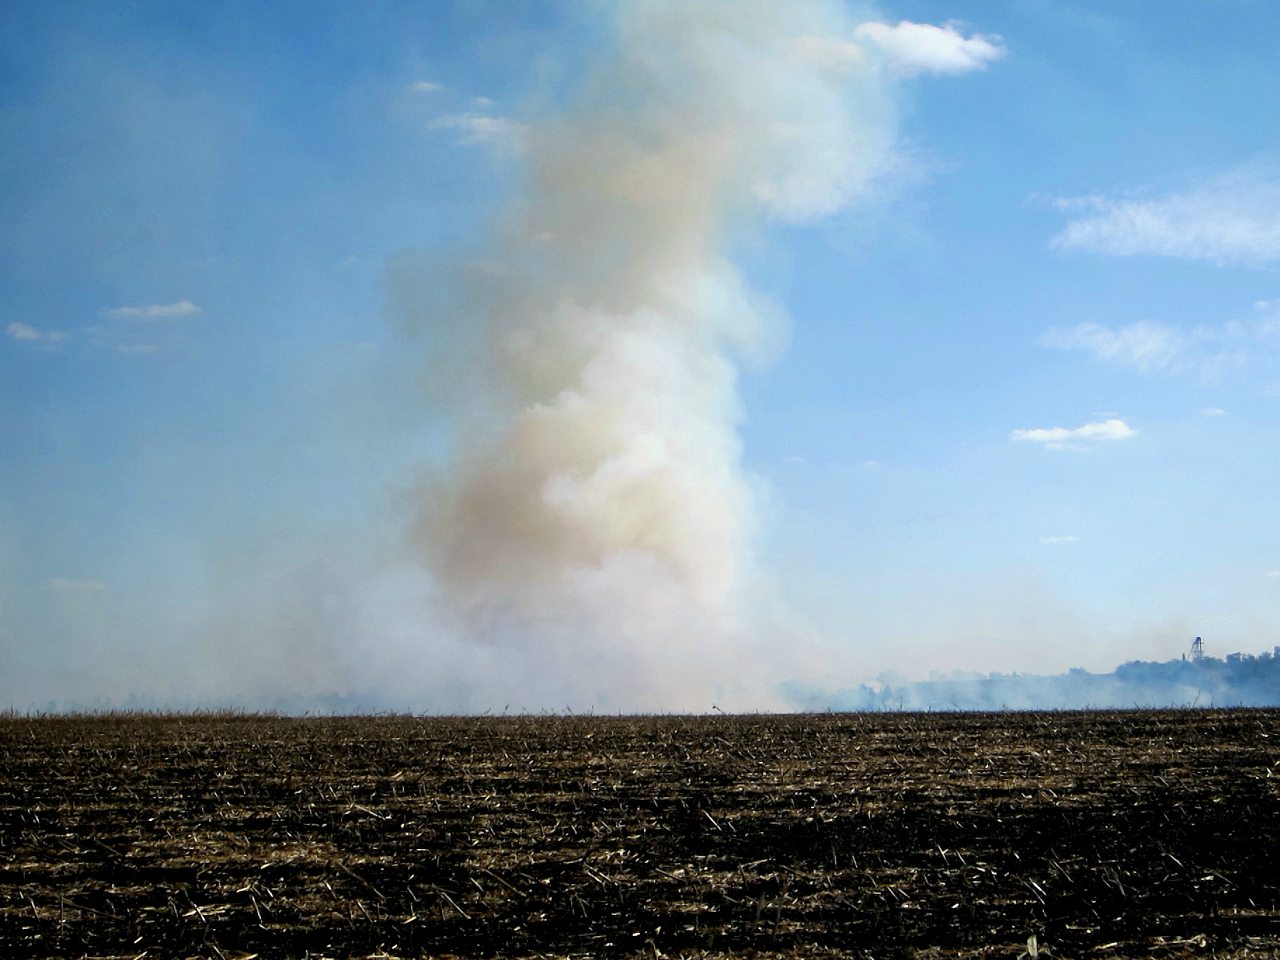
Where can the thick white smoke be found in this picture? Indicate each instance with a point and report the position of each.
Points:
(590, 538)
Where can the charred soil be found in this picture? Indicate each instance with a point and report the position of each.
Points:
(1116, 834)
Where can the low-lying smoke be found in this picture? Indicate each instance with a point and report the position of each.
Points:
(592, 528)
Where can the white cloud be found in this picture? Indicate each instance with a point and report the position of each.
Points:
(158, 311)
(1149, 346)
(1145, 345)
(1060, 540)
(1059, 437)
(479, 128)
(913, 48)
(75, 585)
(22, 331)
(426, 86)
(1212, 412)
(132, 340)
(1273, 574)
(1233, 218)
(30, 334)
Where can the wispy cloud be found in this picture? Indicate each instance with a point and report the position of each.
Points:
(1055, 438)
(28, 333)
(21, 331)
(1060, 541)
(76, 585)
(158, 311)
(1212, 412)
(471, 117)
(134, 339)
(913, 48)
(1160, 347)
(1273, 574)
(483, 128)
(1145, 345)
(1232, 218)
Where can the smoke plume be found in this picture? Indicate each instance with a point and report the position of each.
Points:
(590, 531)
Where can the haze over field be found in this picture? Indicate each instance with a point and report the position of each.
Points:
(644, 357)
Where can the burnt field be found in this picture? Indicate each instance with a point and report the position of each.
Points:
(1153, 834)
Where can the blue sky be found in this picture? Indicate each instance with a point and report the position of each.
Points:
(1002, 391)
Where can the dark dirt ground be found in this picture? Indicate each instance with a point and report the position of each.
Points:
(1116, 834)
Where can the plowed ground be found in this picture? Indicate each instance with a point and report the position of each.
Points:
(1143, 834)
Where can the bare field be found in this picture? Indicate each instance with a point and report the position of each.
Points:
(1143, 834)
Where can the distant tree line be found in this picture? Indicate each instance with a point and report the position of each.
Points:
(1238, 680)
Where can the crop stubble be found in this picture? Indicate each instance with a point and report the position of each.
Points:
(1103, 834)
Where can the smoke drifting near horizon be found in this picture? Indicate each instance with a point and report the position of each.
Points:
(589, 536)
